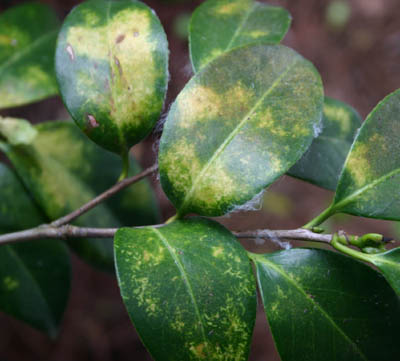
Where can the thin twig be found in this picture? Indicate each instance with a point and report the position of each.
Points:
(102, 197)
(290, 234)
(68, 231)
(62, 232)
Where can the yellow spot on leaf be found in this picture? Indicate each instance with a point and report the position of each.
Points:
(257, 34)
(214, 53)
(10, 283)
(217, 184)
(217, 251)
(196, 103)
(231, 8)
(177, 325)
(133, 69)
(182, 164)
(341, 115)
(198, 350)
(358, 165)
(5, 40)
(154, 257)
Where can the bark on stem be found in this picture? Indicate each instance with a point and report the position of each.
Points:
(69, 231)
(102, 197)
(289, 234)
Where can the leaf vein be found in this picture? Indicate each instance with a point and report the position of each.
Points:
(234, 132)
(241, 26)
(185, 280)
(344, 202)
(18, 55)
(314, 303)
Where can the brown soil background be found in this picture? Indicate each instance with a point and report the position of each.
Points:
(359, 64)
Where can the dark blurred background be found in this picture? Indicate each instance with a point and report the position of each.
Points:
(354, 44)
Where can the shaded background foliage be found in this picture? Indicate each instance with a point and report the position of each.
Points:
(359, 64)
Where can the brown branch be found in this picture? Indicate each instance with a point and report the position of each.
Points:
(62, 232)
(102, 197)
(68, 231)
(290, 234)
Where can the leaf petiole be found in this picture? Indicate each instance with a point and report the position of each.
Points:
(322, 217)
(125, 167)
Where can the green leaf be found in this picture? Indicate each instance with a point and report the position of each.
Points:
(237, 126)
(389, 264)
(27, 43)
(34, 277)
(112, 68)
(323, 161)
(16, 207)
(134, 206)
(321, 305)
(219, 26)
(17, 133)
(189, 290)
(63, 170)
(369, 183)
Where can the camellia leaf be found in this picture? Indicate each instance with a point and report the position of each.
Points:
(323, 161)
(27, 43)
(389, 264)
(16, 132)
(112, 68)
(189, 290)
(63, 170)
(324, 306)
(369, 183)
(34, 277)
(219, 26)
(237, 126)
(134, 206)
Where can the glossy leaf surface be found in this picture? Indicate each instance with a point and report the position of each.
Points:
(189, 290)
(369, 183)
(219, 26)
(27, 44)
(34, 277)
(324, 306)
(237, 126)
(63, 170)
(112, 68)
(389, 264)
(134, 206)
(324, 160)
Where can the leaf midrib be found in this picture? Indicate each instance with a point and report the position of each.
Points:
(185, 280)
(344, 202)
(19, 54)
(120, 132)
(314, 303)
(241, 26)
(379, 259)
(230, 137)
